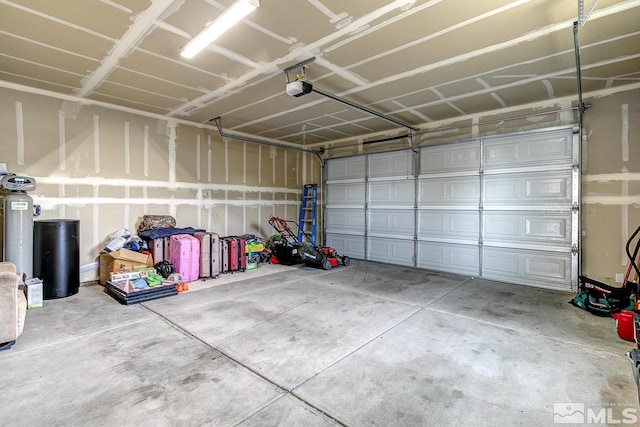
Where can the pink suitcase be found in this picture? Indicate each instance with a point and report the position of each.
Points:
(216, 267)
(184, 254)
(242, 254)
(224, 256)
(159, 249)
(209, 254)
(233, 254)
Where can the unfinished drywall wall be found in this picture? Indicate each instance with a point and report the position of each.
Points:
(107, 168)
(610, 183)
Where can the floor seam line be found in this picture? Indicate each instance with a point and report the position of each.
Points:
(418, 310)
(347, 289)
(497, 325)
(243, 365)
(235, 334)
(78, 337)
(449, 292)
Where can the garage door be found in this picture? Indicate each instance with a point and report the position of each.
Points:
(345, 206)
(503, 208)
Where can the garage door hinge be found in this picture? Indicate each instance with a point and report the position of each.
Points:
(575, 207)
(574, 249)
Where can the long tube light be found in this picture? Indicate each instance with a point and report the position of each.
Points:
(227, 19)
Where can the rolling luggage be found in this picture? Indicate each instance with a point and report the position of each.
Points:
(242, 254)
(236, 253)
(216, 266)
(209, 254)
(159, 249)
(184, 254)
(234, 256)
(224, 256)
(167, 242)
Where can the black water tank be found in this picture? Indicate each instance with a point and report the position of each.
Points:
(56, 256)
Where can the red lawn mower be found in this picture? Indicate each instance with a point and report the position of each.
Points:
(315, 256)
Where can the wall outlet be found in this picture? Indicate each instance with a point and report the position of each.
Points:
(619, 277)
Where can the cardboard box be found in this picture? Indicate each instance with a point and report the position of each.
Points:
(123, 276)
(121, 261)
(34, 293)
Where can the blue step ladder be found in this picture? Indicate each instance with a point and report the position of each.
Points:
(308, 224)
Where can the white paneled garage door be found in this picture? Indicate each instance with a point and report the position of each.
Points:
(502, 208)
(448, 202)
(345, 206)
(390, 207)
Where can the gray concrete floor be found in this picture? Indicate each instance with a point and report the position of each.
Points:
(368, 344)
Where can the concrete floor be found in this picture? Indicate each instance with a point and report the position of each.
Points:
(368, 344)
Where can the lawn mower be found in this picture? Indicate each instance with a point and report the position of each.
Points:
(311, 255)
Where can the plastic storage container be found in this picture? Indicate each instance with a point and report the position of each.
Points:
(624, 325)
(56, 256)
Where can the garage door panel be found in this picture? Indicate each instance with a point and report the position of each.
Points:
(449, 225)
(528, 189)
(397, 163)
(458, 191)
(454, 258)
(527, 228)
(451, 158)
(346, 194)
(392, 193)
(500, 207)
(391, 223)
(345, 221)
(535, 268)
(541, 149)
(347, 168)
(393, 251)
(353, 246)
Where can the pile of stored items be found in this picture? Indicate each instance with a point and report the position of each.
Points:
(162, 259)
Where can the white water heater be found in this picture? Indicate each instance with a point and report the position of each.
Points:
(18, 222)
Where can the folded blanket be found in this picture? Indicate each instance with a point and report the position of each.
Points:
(166, 232)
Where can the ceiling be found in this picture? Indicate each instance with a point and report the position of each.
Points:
(416, 61)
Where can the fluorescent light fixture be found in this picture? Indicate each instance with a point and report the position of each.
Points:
(227, 19)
